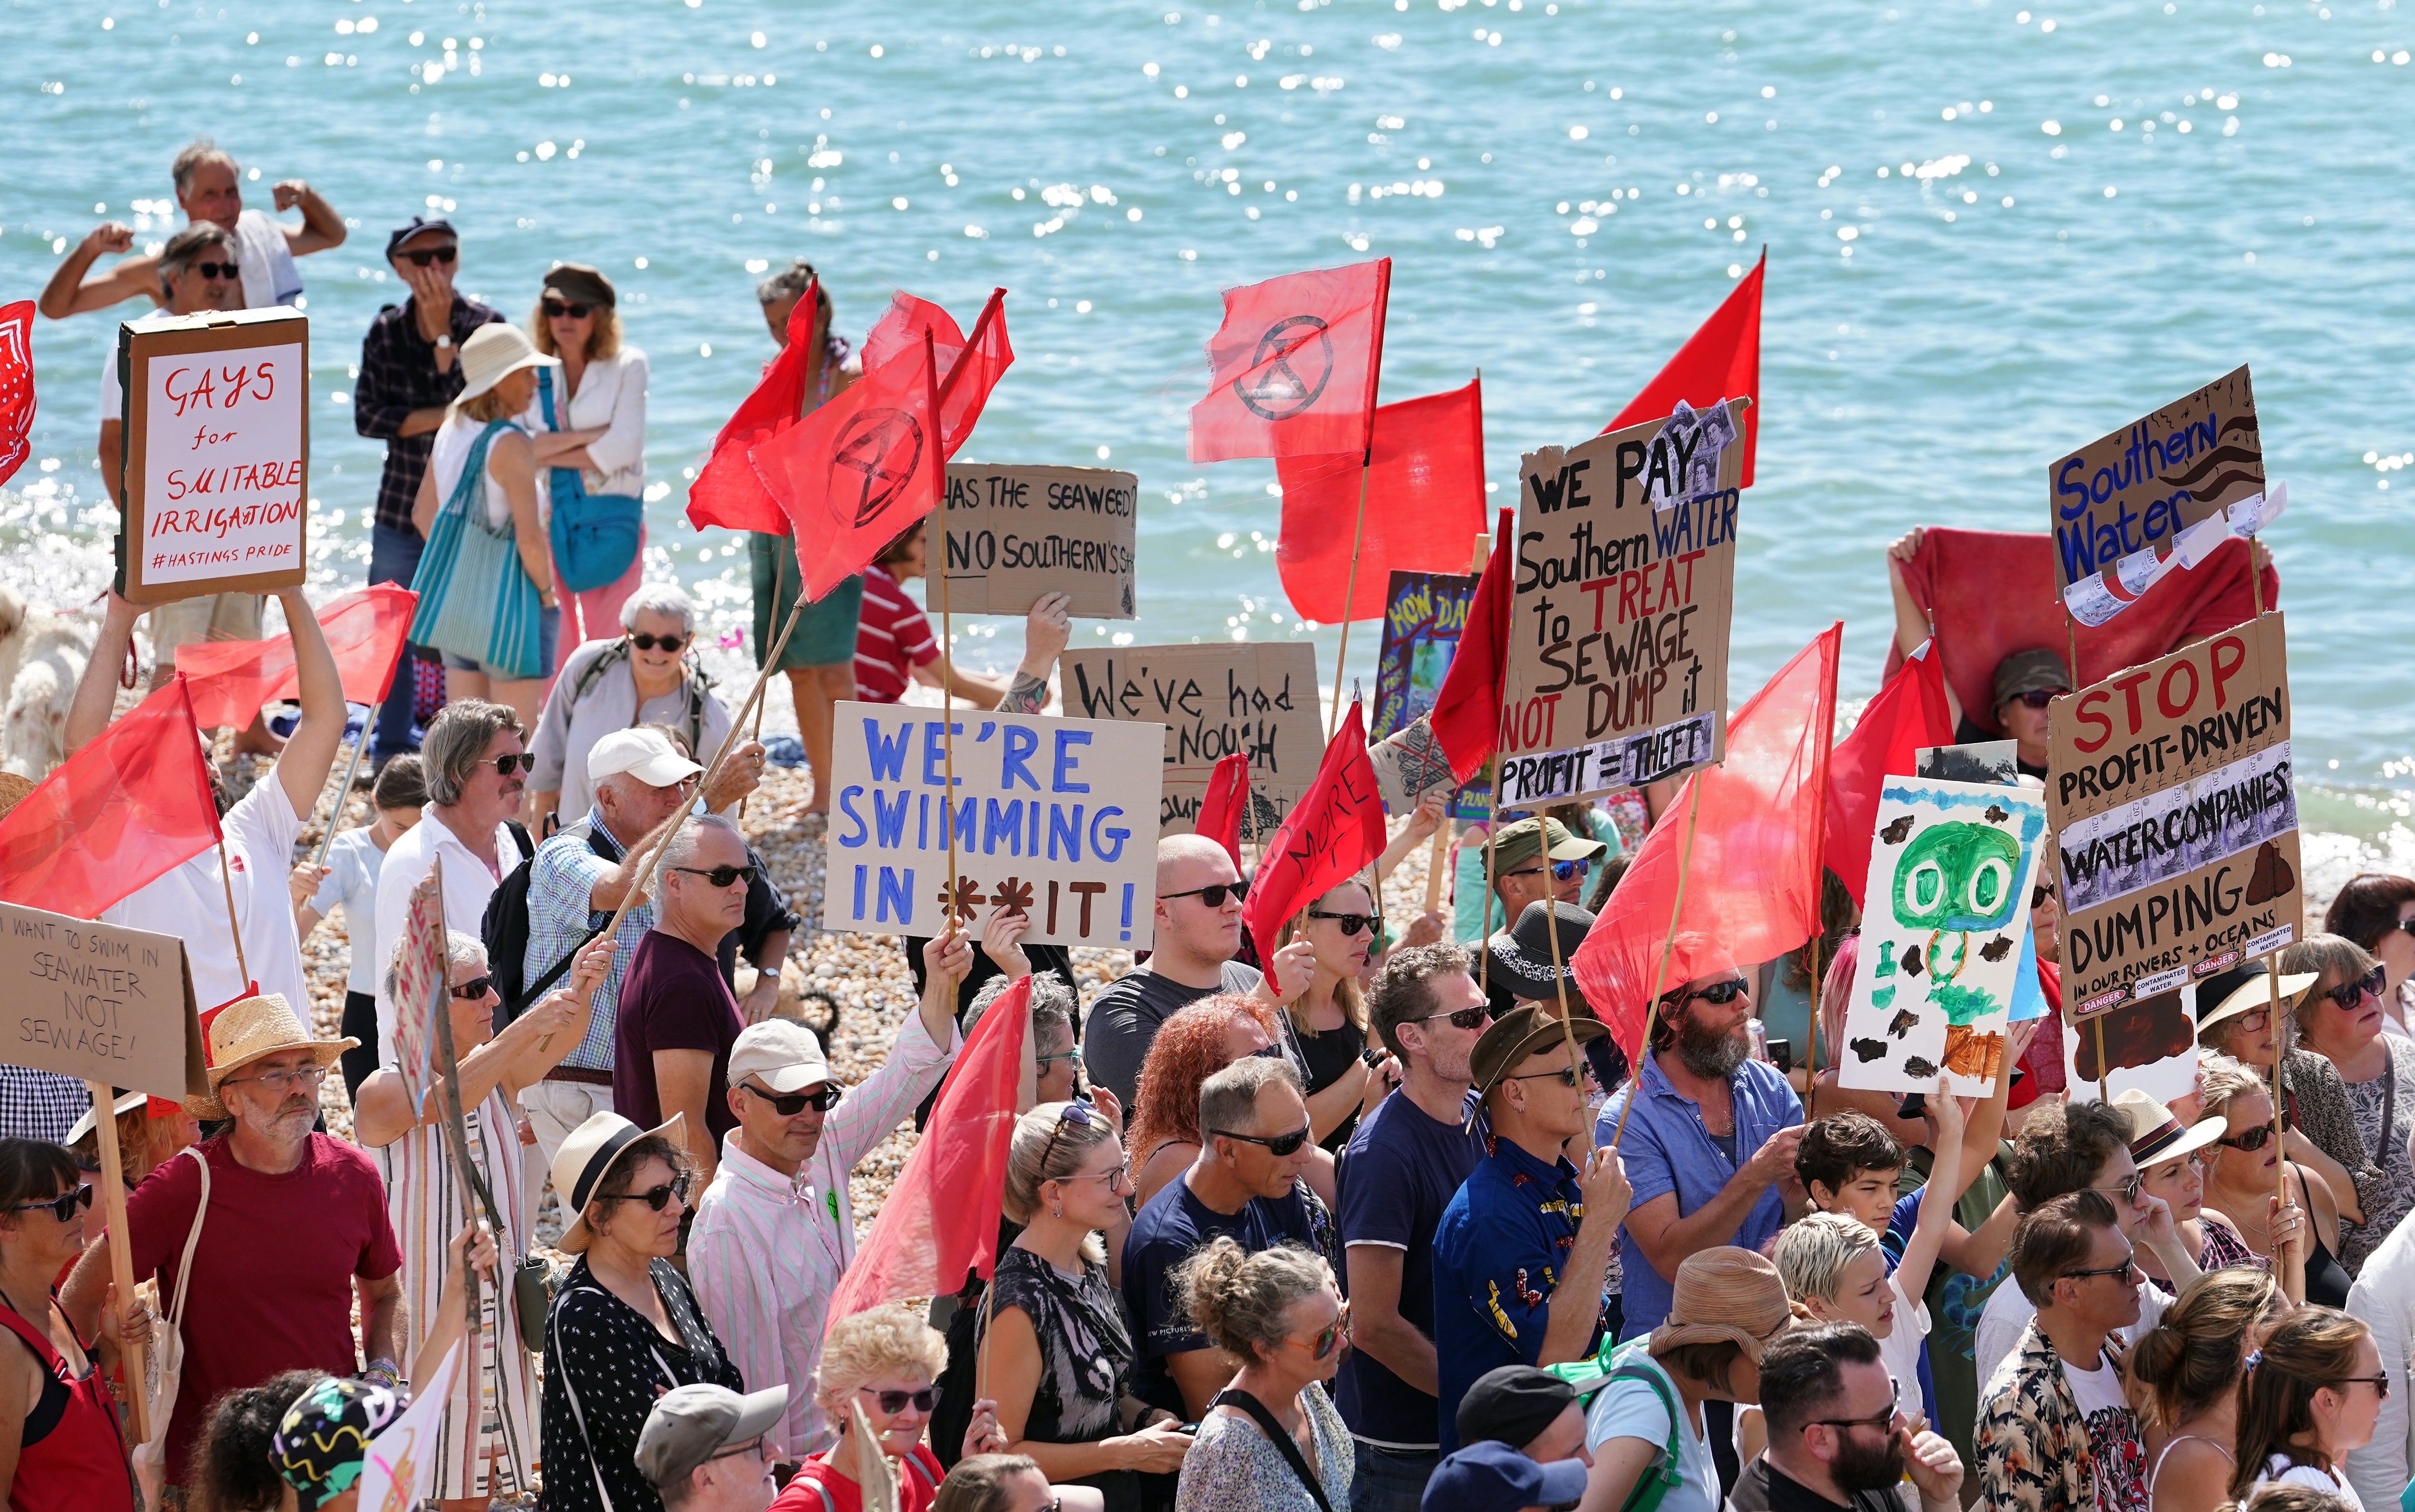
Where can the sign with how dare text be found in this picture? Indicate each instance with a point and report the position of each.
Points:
(1951, 869)
(1055, 820)
(1618, 635)
(1255, 699)
(98, 1002)
(1015, 534)
(216, 453)
(2175, 819)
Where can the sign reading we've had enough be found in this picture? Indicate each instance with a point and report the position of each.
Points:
(217, 454)
(1625, 587)
(1054, 818)
(1018, 532)
(1256, 699)
(98, 1002)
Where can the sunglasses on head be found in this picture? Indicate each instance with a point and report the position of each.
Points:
(1073, 1113)
(445, 254)
(648, 642)
(219, 270)
(555, 309)
(893, 1402)
(475, 988)
(1350, 924)
(64, 1205)
(2348, 994)
(1213, 896)
(2037, 697)
(2250, 1140)
(721, 876)
(522, 760)
(789, 1104)
(1461, 1018)
(1277, 1145)
(657, 1198)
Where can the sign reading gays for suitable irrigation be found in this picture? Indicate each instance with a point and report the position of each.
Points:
(1018, 532)
(1256, 699)
(1055, 820)
(1618, 638)
(2174, 817)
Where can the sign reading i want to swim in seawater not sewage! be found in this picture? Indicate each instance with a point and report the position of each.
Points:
(1054, 818)
(98, 1002)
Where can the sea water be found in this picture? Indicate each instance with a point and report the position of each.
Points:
(1993, 232)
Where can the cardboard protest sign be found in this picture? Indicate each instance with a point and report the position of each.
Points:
(100, 1003)
(1618, 641)
(1423, 614)
(1258, 698)
(1018, 532)
(1947, 909)
(217, 449)
(1056, 818)
(1408, 765)
(2119, 503)
(2175, 820)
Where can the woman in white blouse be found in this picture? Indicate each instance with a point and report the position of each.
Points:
(590, 423)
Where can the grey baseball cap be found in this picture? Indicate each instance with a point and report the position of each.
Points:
(690, 1425)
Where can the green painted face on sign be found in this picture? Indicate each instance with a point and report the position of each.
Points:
(1957, 876)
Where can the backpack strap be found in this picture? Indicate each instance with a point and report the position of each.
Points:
(1259, 1414)
(521, 838)
(1666, 1471)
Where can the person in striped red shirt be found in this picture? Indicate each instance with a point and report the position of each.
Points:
(894, 645)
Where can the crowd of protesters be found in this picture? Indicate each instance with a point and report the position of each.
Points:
(1378, 1221)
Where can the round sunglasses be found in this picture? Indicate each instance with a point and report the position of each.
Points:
(1333, 1333)
(2348, 995)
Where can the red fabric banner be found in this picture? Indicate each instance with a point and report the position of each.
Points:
(1227, 799)
(941, 1220)
(1294, 365)
(854, 473)
(1719, 361)
(1425, 501)
(231, 680)
(1466, 716)
(1753, 888)
(727, 491)
(1908, 712)
(16, 385)
(133, 804)
(1336, 828)
(968, 369)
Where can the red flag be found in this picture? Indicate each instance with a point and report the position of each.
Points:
(940, 1220)
(130, 806)
(16, 385)
(726, 491)
(968, 369)
(854, 473)
(1721, 360)
(231, 680)
(1753, 888)
(1466, 716)
(1425, 497)
(1294, 366)
(1336, 828)
(1908, 712)
(1220, 811)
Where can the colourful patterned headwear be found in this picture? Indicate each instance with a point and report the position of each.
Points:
(323, 1441)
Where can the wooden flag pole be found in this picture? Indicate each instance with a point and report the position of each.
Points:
(2071, 644)
(1660, 977)
(950, 903)
(343, 797)
(235, 925)
(2272, 1025)
(121, 1257)
(1439, 856)
(1350, 588)
(1811, 1082)
(1560, 990)
(456, 1134)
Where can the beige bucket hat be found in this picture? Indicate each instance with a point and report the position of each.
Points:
(492, 351)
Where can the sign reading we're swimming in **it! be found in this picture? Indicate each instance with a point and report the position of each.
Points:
(1053, 818)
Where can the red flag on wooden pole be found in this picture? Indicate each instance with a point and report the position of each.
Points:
(1294, 365)
(1425, 497)
(1721, 360)
(1466, 716)
(229, 680)
(726, 491)
(1226, 801)
(16, 385)
(856, 473)
(1336, 828)
(134, 803)
(968, 368)
(1908, 712)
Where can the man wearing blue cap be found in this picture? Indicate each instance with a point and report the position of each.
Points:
(1495, 1478)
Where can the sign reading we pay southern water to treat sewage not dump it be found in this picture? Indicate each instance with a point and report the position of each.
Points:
(218, 446)
(2175, 822)
(1055, 818)
(1618, 635)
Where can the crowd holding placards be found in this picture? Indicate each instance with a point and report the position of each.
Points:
(1336, 1216)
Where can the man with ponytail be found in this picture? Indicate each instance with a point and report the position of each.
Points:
(2311, 1395)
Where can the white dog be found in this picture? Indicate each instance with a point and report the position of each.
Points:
(42, 656)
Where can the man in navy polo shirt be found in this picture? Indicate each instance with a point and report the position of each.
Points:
(1523, 1249)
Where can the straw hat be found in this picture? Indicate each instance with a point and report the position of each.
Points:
(587, 1158)
(2156, 1136)
(13, 790)
(1725, 1294)
(492, 351)
(245, 1030)
(2244, 989)
(126, 1103)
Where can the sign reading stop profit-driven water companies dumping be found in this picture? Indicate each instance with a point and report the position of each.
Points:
(1055, 820)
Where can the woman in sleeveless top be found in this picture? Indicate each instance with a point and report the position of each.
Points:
(1192, 1045)
(2189, 1364)
(885, 1361)
(2313, 1394)
(2243, 1173)
(54, 1385)
(1329, 1020)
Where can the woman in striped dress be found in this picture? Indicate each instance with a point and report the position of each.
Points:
(493, 1451)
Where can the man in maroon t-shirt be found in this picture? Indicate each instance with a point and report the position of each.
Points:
(677, 1019)
(295, 1234)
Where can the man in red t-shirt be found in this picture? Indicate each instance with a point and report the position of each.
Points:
(294, 1234)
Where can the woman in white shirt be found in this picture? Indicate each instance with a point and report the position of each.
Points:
(588, 419)
(2312, 1393)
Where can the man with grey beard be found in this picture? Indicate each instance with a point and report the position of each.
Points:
(1710, 1148)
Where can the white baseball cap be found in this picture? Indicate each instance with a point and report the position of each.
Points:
(782, 1052)
(646, 755)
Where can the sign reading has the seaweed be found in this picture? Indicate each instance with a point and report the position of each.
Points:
(1618, 637)
(1257, 699)
(2176, 819)
(1018, 532)
(1054, 818)
(1941, 956)
(98, 1002)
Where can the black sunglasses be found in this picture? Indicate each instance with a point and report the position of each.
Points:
(524, 760)
(1213, 896)
(2037, 697)
(2380, 1383)
(2039, 893)
(64, 1205)
(2253, 1140)
(1883, 1419)
(219, 270)
(721, 876)
(893, 1402)
(555, 309)
(657, 1198)
(2126, 1272)
(1462, 1018)
(1566, 1076)
(445, 254)
(1278, 1145)
(789, 1104)
(648, 642)
(2348, 994)
(1350, 923)
(475, 988)
(1718, 994)
(1074, 1113)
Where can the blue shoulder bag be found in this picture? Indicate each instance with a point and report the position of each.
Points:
(594, 535)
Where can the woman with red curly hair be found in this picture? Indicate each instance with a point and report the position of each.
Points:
(1195, 1044)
